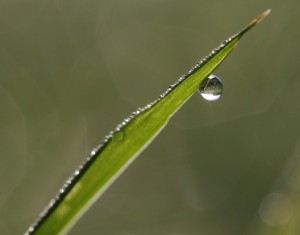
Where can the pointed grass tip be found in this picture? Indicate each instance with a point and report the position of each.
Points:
(255, 22)
(261, 17)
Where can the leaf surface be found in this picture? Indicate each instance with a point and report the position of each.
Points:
(125, 143)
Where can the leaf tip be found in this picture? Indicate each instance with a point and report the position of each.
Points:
(261, 17)
(254, 22)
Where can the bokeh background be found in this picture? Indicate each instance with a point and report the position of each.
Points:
(70, 71)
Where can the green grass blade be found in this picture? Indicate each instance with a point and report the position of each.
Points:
(124, 144)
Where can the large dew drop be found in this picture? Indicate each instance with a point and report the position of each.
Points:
(211, 88)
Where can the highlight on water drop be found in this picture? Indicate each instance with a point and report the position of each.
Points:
(211, 88)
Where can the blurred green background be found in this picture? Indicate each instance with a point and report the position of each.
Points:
(70, 71)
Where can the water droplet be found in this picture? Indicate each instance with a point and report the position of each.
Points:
(211, 88)
(119, 135)
(93, 152)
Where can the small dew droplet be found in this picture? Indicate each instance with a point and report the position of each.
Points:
(119, 135)
(211, 88)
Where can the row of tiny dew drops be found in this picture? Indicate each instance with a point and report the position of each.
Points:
(211, 88)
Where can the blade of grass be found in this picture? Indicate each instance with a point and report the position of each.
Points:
(123, 145)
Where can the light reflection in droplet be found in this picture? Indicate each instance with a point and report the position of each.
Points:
(211, 88)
